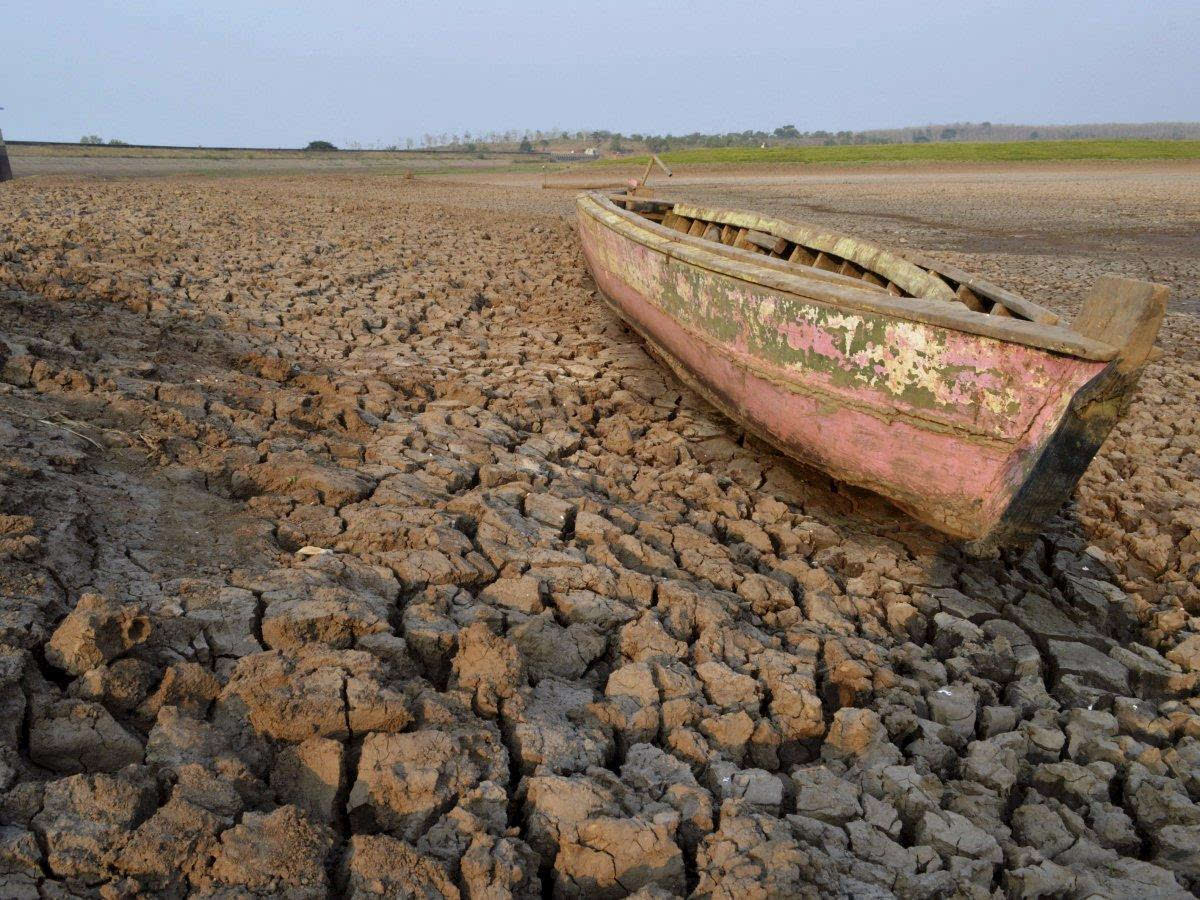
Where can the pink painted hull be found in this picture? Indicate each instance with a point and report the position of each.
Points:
(950, 426)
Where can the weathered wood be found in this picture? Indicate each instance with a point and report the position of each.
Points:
(768, 242)
(741, 243)
(698, 227)
(912, 278)
(1125, 313)
(753, 253)
(607, 187)
(654, 160)
(824, 261)
(849, 268)
(630, 201)
(1022, 308)
(802, 255)
(728, 234)
(712, 232)
(969, 299)
(5, 167)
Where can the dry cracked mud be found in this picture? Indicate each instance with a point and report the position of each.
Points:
(349, 546)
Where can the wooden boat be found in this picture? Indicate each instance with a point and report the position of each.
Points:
(969, 407)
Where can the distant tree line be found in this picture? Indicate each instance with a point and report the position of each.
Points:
(791, 136)
(97, 140)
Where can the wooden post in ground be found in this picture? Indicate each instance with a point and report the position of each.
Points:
(5, 169)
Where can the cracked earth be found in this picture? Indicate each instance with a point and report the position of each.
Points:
(349, 546)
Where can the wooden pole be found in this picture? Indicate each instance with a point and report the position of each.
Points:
(649, 169)
(5, 169)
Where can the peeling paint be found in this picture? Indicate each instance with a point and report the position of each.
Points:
(961, 380)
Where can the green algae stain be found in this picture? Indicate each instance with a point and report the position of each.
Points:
(914, 363)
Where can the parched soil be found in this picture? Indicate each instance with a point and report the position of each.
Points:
(349, 546)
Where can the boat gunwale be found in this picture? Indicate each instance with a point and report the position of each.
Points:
(907, 270)
(704, 254)
(778, 264)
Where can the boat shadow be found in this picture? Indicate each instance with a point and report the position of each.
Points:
(1061, 586)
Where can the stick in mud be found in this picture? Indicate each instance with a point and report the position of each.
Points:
(5, 169)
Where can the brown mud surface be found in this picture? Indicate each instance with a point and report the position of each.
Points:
(349, 546)
(28, 162)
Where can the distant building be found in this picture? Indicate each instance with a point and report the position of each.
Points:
(592, 151)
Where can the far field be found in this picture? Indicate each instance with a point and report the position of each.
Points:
(89, 159)
(60, 159)
(975, 152)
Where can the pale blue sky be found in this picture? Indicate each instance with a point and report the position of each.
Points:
(239, 72)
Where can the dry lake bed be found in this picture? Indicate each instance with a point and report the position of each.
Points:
(349, 546)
